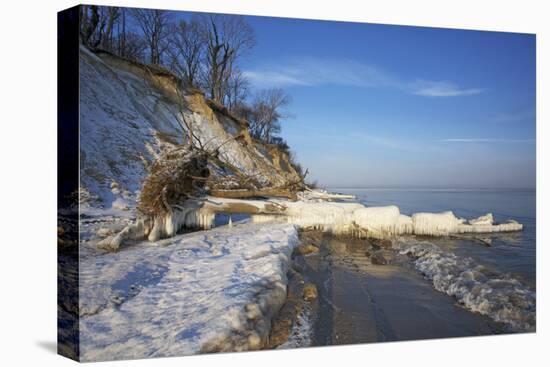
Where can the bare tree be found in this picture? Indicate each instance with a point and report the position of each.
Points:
(154, 25)
(121, 33)
(90, 26)
(134, 47)
(227, 37)
(123, 42)
(98, 25)
(237, 89)
(111, 15)
(266, 112)
(187, 49)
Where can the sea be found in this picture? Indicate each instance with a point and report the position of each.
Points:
(495, 276)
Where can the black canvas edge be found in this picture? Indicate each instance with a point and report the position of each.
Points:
(68, 336)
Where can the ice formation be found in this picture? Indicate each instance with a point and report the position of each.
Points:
(347, 218)
(499, 296)
(320, 195)
(380, 222)
(483, 220)
(171, 223)
(328, 216)
(201, 292)
(435, 224)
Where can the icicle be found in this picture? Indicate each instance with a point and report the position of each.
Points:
(380, 222)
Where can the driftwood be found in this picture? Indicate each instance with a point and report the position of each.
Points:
(239, 206)
(244, 193)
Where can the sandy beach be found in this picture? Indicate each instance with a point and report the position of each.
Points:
(362, 302)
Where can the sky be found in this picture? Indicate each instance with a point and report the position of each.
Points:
(395, 106)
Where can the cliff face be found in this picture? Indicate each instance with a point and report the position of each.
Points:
(130, 112)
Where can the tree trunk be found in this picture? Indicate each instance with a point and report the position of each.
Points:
(243, 194)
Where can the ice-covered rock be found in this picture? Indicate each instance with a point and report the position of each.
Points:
(483, 220)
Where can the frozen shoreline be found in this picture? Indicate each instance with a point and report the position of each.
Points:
(165, 297)
(340, 218)
(207, 291)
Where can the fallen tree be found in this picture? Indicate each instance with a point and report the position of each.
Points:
(254, 193)
(175, 195)
(176, 176)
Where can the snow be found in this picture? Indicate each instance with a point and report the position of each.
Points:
(301, 334)
(215, 290)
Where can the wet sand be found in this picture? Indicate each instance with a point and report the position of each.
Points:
(360, 302)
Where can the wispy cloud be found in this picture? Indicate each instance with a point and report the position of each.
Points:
(308, 71)
(273, 79)
(486, 140)
(342, 139)
(517, 116)
(442, 89)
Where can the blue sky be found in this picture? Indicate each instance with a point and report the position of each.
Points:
(385, 106)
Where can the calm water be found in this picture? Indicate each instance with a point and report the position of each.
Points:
(510, 253)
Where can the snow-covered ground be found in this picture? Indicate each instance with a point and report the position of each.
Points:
(213, 290)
